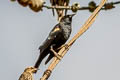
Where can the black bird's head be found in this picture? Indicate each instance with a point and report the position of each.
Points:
(67, 18)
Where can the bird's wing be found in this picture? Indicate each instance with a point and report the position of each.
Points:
(55, 31)
(49, 58)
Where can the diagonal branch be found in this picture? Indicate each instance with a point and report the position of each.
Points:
(63, 51)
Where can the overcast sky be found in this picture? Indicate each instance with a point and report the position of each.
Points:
(94, 56)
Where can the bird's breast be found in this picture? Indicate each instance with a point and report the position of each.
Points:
(67, 32)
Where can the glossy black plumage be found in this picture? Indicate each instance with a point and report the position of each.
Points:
(57, 37)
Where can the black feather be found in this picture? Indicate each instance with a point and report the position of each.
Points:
(57, 37)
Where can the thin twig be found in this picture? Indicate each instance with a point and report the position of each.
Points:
(81, 8)
(57, 7)
(118, 2)
(63, 51)
(107, 6)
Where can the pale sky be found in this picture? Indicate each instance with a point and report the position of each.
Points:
(94, 56)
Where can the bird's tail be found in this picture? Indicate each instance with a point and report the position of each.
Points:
(41, 57)
(37, 64)
(49, 58)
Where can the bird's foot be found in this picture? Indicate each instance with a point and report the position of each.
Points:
(64, 45)
(55, 53)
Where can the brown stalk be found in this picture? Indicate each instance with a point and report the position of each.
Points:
(64, 50)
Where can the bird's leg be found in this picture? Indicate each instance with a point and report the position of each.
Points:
(64, 45)
(55, 53)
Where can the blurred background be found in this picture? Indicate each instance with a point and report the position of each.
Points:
(94, 56)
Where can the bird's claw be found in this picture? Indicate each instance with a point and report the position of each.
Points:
(64, 45)
(55, 53)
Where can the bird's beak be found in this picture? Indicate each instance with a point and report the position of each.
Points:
(72, 15)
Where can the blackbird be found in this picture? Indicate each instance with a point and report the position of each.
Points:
(57, 37)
